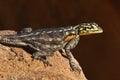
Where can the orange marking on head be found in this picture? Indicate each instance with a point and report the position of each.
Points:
(70, 37)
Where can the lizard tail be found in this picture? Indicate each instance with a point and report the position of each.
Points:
(10, 40)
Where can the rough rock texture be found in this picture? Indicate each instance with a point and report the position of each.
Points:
(17, 64)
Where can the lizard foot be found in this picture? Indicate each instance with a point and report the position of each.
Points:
(43, 59)
(75, 65)
(46, 63)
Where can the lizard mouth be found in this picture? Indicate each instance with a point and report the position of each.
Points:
(100, 30)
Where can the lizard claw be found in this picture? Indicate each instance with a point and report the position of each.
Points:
(47, 63)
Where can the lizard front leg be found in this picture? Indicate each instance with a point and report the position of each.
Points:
(73, 62)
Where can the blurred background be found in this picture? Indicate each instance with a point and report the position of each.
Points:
(99, 55)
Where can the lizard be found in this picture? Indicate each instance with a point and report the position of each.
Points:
(46, 41)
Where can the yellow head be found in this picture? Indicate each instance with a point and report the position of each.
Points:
(89, 28)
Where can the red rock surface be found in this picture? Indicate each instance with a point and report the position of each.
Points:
(17, 64)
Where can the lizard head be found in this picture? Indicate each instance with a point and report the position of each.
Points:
(89, 28)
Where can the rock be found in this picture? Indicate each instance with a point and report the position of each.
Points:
(17, 64)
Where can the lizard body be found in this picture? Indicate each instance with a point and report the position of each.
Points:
(48, 40)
